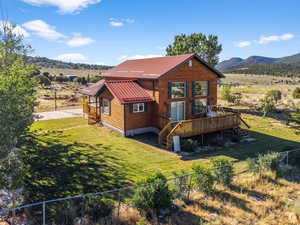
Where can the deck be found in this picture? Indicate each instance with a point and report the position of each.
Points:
(193, 127)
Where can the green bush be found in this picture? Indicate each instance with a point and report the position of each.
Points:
(296, 93)
(223, 171)
(274, 94)
(267, 105)
(226, 93)
(152, 195)
(187, 145)
(98, 207)
(263, 163)
(203, 179)
(43, 80)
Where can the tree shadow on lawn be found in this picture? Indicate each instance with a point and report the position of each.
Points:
(57, 169)
(241, 151)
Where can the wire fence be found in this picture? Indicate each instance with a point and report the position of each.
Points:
(108, 207)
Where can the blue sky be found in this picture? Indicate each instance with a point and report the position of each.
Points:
(110, 31)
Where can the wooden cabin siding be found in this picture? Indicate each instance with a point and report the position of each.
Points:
(116, 117)
(198, 72)
(139, 119)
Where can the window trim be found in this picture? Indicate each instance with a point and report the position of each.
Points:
(184, 91)
(138, 107)
(108, 106)
(207, 88)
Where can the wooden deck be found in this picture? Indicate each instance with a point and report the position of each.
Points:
(193, 127)
(92, 110)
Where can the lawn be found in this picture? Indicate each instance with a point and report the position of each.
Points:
(67, 157)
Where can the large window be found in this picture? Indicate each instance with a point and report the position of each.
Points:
(138, 107)
(199, 106)
(106, 106)
(177, 89)
(200, 88)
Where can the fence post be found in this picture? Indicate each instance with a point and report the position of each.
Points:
(44, 213)
(189, 187)
(119, 202)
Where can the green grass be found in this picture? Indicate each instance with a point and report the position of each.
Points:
(69, 157)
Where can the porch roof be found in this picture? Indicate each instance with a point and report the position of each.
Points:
(126, 91)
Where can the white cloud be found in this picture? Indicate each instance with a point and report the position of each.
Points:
(43, 30)
(123, 57)
(268, 39)
(116, 24)
(78, 41)
(120, 22)
(64, 6)
(16, 29)
(243, 44)
(72, 57)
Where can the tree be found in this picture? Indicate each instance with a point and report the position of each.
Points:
(207, 47)
(274, 94)
(267, 105)
(17, 100)
(153, 194)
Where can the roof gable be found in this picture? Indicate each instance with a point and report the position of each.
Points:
(152, 68)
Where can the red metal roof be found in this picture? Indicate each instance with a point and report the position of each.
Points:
(152, 68)
(128, 91)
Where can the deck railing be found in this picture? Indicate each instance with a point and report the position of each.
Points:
(193, 127)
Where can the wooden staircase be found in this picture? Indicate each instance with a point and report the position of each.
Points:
(194, 127)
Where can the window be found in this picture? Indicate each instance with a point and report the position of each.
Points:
(105, 106)
(199, 106)
(190, 63)
(138, 107)
(200, 88)
(177, 89)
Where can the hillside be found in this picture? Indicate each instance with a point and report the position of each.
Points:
(239, 63)
(51, 63)
(288, 66)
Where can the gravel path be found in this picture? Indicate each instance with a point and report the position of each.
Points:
(68, 113)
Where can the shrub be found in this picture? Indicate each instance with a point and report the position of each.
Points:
(296, 93)
(153, 194)
(223, 171)
(43, 80)
(94, 79)
(274, 94)
(263, 163)
(98, 207)
(226, 93)
(267, 105)
(181, 184)
(203, 179)
(187, 145)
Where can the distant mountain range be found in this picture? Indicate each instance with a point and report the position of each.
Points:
(51, 63)
(239, 63)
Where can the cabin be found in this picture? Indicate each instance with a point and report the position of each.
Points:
(170, 96)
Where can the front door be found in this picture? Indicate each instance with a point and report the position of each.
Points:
(177, 111)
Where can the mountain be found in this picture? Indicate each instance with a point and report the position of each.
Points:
(288, 66)
(290, 59)
(51, 63)
(239, 63)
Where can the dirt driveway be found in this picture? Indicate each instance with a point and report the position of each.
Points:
(51, 115)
